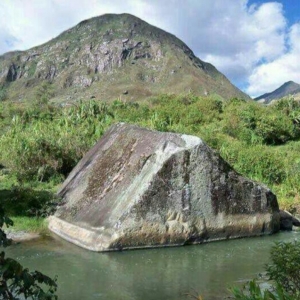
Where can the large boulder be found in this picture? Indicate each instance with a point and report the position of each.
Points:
(138, 188)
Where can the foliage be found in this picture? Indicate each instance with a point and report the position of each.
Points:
(253, 291)
(42, 143)
(285, 267)
(283, 272)
(194, 295)
(27, 201)
(46, 144)
(254, 123)
(3, 93)
(43, 93)
(4, 220)
(17, 282)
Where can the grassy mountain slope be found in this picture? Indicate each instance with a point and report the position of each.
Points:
(109, 57)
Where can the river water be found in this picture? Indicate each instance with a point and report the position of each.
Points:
(154, 274)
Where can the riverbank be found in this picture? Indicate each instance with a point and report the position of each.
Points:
(27, 228)
(22, 236)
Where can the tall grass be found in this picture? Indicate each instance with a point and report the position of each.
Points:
(43, 142)
(46, 144)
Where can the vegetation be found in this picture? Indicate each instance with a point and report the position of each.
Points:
(41, 143)
(151, 63)
(283, 272)
(3, 92)
(28, 205)
(17, 282)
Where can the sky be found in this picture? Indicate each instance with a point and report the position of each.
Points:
(255, 43)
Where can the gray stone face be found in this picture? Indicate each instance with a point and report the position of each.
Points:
(138, 188)
(287, 220)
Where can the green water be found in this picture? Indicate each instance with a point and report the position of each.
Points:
(165, 273)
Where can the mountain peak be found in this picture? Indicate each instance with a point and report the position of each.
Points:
(288, 88)
(289, 83)
(108, 57)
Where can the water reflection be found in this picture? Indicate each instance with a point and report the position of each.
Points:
(148, 274)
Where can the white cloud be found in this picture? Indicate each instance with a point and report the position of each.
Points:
(242, 41)
(257, 34)
(270, 75)
(33, 22)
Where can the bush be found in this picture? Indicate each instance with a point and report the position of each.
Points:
(252, 291)
(17, 282)
(28, 202)
(254, 123)
(41, 148)
(283, 273)
(285, 267)
(3, 93)
(44, 142)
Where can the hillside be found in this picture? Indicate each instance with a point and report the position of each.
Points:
(108, 57)
(288, 88)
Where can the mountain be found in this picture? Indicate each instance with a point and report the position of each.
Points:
(109, 57)
(288, 88)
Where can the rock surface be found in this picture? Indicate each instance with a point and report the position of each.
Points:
(21, 236)
(287, 221)
(138, 188)
(107, 55)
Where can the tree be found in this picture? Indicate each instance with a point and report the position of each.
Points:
(17, 282)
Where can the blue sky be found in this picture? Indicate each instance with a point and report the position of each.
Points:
(255, 43)
(291, 9)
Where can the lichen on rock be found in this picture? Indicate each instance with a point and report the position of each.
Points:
(138, 188)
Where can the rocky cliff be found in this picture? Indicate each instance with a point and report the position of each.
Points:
(138, 188)
(108, 57)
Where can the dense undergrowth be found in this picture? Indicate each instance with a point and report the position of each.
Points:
(40, 143)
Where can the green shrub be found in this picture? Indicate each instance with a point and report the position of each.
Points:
(43, 142)
(41, 148)
(285, 267)
(3, 93)
(252, 291)
(27, 201)
(17, 282)
(283, 274)
(257, 124)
